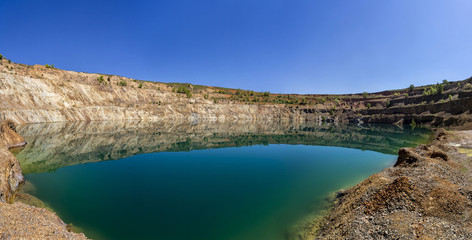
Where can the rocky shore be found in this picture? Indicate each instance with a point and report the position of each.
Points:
(426, 195)
(19, 220)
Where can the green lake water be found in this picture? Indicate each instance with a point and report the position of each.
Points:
(135, 180)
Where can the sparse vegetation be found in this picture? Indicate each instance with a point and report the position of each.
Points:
(1, 56)
(122, 83)
(49, 66)
(140, 85)
(100, 79)
(433, 90)
(369, 105)
(184, 90)
(411, 87)
(365, 94)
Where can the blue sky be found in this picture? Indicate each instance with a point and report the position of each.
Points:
(288, 46)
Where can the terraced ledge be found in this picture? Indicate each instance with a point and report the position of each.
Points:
(426, 195)
(19, 220)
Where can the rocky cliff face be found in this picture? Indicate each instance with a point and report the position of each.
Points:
(32, 94)
(10, 171)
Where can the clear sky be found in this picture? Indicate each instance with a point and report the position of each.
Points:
(288, 46)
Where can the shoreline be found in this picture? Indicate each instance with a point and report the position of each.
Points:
(426, 194)
(17, 219)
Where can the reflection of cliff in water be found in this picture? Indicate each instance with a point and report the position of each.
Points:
(55, 145)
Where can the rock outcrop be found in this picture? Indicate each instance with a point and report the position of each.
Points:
(10, 171)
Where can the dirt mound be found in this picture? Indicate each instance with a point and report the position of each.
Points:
(399, 193)
(426, 195)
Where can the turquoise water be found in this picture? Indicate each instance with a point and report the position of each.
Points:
(260, 190)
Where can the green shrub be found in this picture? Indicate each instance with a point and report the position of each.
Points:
(123, 83)
(1, 56)
(433, 90)
(412, 87)
(49, 66)
(445, 82)
(369, 105)
(387, 103)
(140, 85)
(100, 79)
(450, 97)
(266, 94)
(206, 96)
(365, 94)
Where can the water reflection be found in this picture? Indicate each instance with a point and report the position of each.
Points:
(55, 145)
